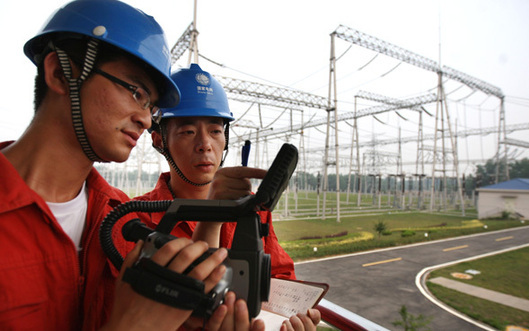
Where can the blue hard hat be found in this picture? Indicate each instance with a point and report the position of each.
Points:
(118, 24)
(201, 95)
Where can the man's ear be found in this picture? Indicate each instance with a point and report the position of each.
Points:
(157, 141)
(54, 75)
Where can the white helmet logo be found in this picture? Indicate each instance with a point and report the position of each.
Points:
(202, 79)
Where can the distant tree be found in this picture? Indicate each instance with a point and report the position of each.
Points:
(519, 168)
(486, 173)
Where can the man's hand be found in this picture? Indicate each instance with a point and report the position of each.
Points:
(302, 322)
(231, 315)
(133, 311)
(232, 183)
(228, 184)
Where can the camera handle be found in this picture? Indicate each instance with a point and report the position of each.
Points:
(251, 265)
(250, 280)
(163, 285)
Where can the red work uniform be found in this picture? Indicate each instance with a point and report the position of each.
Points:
(45, 283)
(282, 264)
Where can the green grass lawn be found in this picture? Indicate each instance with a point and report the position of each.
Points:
(420, 221)
(357, 233)
(507, 273)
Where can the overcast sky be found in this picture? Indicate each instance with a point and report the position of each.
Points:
(287, 42)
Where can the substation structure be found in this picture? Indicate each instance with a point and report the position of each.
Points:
(435, 190)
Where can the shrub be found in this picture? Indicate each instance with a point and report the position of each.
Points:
(411, 322)
(380, 227)
(407, 233)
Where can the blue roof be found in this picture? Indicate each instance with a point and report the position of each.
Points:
(513, 184)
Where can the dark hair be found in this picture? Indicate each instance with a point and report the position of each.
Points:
(76, 50)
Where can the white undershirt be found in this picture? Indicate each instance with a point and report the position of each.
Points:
(71, 215)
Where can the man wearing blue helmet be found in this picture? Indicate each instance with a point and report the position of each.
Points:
(193, 137)
(99, 80)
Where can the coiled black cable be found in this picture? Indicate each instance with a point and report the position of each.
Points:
(105, 230)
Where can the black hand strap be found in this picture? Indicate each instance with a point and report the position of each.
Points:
(165, 286)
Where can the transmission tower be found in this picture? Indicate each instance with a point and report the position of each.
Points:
(502, 137)
(193, 44)
(355, 145)
(442, 114)
(332, 107)
(419, 162)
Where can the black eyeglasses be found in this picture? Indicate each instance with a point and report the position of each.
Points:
(139, 94)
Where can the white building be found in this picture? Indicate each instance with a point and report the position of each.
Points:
(511, 196)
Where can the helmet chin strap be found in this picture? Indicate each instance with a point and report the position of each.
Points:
(165, 152)
(227, 138)
(75, 98)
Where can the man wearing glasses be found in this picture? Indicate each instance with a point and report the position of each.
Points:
(99, 80)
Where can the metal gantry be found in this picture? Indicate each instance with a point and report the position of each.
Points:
(276, 96)
(380, 46)
(370, 111)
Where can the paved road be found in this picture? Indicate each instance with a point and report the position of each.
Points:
(364, 285)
